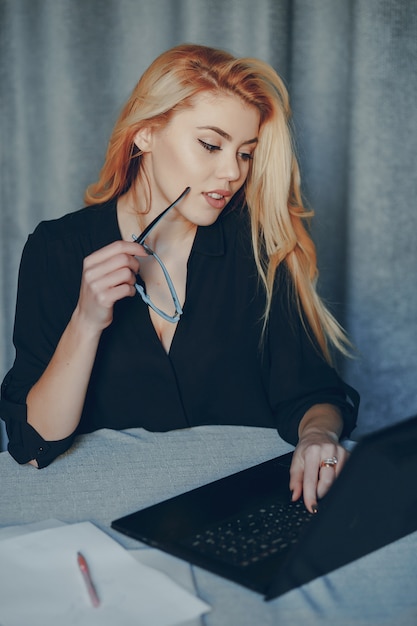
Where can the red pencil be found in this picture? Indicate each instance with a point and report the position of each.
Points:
(82, 564)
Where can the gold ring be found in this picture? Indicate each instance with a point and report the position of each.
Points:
(329, 462)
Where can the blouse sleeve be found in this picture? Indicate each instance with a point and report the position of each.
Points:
(300, 377)
(44, 307)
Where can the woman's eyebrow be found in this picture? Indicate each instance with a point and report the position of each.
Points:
(226, 136)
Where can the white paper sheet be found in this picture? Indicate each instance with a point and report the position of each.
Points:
(40, 583)
(22, 529)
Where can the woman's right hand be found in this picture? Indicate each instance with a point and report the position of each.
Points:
(109, 275)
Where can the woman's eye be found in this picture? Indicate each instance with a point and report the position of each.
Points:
(208, 146)
(246, 156)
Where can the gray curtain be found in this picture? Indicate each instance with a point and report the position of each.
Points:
(67, 66)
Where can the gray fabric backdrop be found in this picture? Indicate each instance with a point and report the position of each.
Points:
(67, 66)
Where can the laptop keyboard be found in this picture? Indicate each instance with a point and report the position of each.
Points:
(253, 535)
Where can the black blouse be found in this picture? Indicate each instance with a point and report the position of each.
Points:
(218, 370)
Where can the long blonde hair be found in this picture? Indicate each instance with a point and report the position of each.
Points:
(272, 189)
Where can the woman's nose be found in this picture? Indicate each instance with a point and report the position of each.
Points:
(229, 168)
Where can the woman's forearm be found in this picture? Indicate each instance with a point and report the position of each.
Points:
(55, 402)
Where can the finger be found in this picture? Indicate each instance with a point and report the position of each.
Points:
(328, 474)
(113, 286)
(312, 460)
(310, 481)
(94, 272)
(343, 456)
(130, 248)
(304, 476)
(104, 285)
(296, 479)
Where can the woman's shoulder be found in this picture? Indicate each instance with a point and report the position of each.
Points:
(80, 221)
(94, 225)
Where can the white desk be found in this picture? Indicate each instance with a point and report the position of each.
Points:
(108, 474)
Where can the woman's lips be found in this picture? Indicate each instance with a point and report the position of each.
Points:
(217, 199)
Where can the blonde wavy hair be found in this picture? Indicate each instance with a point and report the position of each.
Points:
(272, 189)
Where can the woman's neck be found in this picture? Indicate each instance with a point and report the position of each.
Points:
(171, 231)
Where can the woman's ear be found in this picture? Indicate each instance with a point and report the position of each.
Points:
(143, 139)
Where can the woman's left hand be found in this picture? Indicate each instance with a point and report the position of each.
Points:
(318, 457)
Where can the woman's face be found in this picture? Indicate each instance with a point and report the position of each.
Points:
(209, 148)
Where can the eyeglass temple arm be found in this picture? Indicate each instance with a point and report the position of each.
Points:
(154, 222)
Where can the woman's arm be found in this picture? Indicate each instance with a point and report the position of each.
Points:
(319, 433)
(61, 390)
(55, 402)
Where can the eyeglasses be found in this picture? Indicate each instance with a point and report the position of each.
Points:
(140, 239)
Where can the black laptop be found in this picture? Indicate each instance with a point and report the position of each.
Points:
(244, 527)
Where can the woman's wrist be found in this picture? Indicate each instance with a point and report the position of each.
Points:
(321, 420)
(318, 433)
(83, 328)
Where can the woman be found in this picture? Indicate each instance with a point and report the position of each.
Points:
(231, 330)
